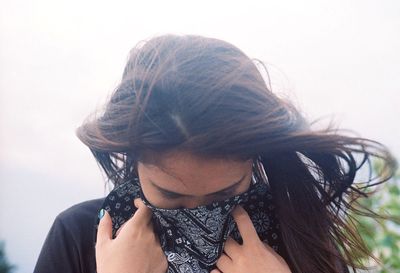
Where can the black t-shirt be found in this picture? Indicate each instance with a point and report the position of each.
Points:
(70, 244)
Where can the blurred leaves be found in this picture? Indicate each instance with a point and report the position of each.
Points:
(382, 235)
(5, 267)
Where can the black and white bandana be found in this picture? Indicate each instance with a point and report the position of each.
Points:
(193, 238)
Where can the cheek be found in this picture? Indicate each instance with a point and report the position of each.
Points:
(245, 186)
(149, 193)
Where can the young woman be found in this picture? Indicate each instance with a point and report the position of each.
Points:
(212, 172)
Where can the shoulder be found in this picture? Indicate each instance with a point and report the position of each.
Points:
(84, 211)
(80, 221)
(80, 217)
(69, 245)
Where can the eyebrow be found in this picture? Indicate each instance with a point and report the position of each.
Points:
(168, 192)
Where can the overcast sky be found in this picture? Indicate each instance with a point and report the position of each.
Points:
(60, 59)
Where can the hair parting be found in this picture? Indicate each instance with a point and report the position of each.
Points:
(206, 97)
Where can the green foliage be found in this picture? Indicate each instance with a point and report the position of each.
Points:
(382, 236)
(5, 267)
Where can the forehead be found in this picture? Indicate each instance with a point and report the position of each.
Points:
(187, 173)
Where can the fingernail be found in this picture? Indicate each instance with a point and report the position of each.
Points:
(137, 202)
(101, 213)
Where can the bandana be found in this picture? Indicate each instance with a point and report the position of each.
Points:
(193, 238)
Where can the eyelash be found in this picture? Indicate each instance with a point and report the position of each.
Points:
(174, 196)
(171, 195)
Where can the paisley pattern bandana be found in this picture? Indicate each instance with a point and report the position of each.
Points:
(193, 238)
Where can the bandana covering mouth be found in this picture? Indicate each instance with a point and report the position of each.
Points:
(193, 238)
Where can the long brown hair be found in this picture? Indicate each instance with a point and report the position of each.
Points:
(205, 96)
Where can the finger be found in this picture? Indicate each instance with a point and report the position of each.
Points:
(143, 213)
(120, 228)
(224, 263)
(271, 251)
(231, 247)
(215, 271)
(104, 230)
(140, 220)
(138, 202)
(245, 225)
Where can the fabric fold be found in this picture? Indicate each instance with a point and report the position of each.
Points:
(193, 238)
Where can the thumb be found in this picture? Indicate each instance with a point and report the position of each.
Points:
(141, 219)
(245, 225)
(143, 213)
(138, 202)
(104, 230)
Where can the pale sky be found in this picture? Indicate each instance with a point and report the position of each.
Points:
(60, 59)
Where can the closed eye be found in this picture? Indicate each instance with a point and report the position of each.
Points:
(225, 194)
(222, 193)
(171, 195)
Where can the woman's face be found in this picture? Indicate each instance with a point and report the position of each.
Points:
(184, 180)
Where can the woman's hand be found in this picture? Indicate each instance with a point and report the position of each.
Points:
(135, 249)
(253, 256)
